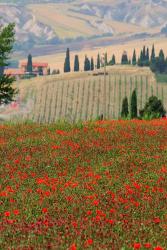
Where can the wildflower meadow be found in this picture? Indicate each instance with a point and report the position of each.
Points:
(94, 185)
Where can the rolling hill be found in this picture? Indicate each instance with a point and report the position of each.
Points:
(65, 22)
(82, 96)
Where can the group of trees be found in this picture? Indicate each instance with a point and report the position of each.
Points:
(152, 109)
(89, 63)
(157, 64)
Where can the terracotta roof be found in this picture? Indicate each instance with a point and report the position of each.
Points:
(35, 64)
(14, 72)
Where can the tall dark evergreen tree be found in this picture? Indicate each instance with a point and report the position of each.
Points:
(98, 61)
(124, 59)
(29, 64)
(134, 58)
(133, 110)
(76, 63)
(147, 63)
(7, 38)
(141, 59)
(144, 54)
(161, 62)
(87, 64)
(153, 55)
(113, 60)
(125, 109)
(106, 58)
(92, 64)
(67, 67)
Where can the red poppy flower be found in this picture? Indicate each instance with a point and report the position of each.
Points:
(7, 213)
(16, 211)
(147, 245)
(44, 210)
(137, 246)
(73, 247)
(158, 248)
(157, 220)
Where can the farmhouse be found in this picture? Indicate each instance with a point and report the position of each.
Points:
(18, 73)
(37, 66)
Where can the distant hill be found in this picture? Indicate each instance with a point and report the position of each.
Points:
(66, 21)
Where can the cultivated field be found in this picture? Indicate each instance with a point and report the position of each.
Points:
(82, 96)
(91, 186)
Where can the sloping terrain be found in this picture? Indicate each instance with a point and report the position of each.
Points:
(59, 22)
(29, 31)
(82, 96)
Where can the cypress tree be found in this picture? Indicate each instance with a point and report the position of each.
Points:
(153, 60)
(92, 64)
(147, 60)
(98, 61)
(125, 109)
(29, 64)
(140, 61)
(106, 58)
(76, 63)
(67, 61)
(144, 54)
(124, 59)
(153, 55)
(113, 61)
(161, 62)
(87, 64)
(134, 57)
(134, 105)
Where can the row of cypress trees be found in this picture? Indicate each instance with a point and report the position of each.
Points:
(133, 106)
(88, 63)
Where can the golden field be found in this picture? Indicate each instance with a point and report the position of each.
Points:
(56, 61)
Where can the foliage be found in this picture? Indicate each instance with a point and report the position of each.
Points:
(7, 92)
(98, 61)
(112, 61)
(153, 109)
(76, 63)
(92, 64)
(133, 112)
(98, 185)
(125, 109)
(124, 59)
(7, 38)
(29, 64)
(134, 62)
(87, 65)
(67, 67)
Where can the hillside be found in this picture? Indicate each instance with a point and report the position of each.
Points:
(47, 23)
(81, 96)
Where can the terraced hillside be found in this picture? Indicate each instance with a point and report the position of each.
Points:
(83, 96)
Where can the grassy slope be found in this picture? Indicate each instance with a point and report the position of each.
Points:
(96, 186)
(76, 96)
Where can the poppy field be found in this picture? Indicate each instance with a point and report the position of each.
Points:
(93, 185)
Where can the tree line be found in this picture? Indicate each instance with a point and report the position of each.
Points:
(157, 64)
